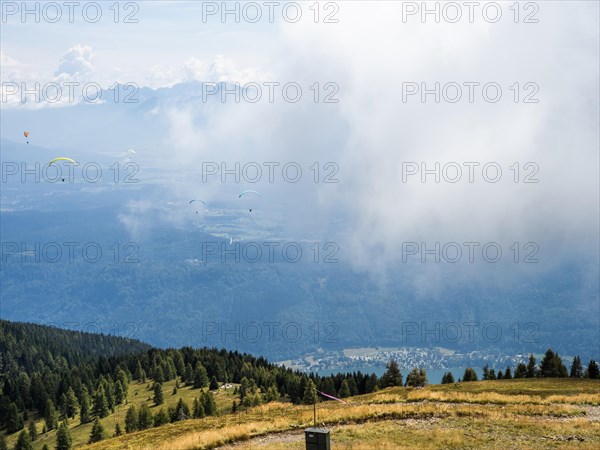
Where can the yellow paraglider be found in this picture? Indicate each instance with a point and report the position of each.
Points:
(62, 158)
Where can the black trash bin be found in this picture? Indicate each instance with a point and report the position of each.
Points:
(317, 439)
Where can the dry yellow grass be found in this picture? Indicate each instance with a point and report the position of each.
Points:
(454, 417)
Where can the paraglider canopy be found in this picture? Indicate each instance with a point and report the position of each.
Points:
(201, 201)
(26, 133)
(62, 158)
(249, 193)
(243, 194)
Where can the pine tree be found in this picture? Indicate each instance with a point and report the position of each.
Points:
(109, 393)
(272, 394)
(470, 374)
(189, 375)
(448, 378)
(33, 434)
(140, 374)
(158, 394)
(214, 384)
(352, 385)
(310, 393)
(71, 404)
(131, 420)
(51, 416)
(371, 384)
(552, 366)
(14, 422)
(200, 377)
(23, 441)
(97, 433)
(392, 377)
(499, 376)
(63, 437)
(158, 374)
(118, 431)
(208, 403)
(120, 392)
(344, 389)
(576, 368)
(84, 411)
(531, 370)
(62, 405)
(145, 418)
(416, 378)
(198, 409)
(161, 418)
(234, 407)
(593, 372)
(486, 372)
(181, 411)
(507, 374)
(100, 403)
(521, 371)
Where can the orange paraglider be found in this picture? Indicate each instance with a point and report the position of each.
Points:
(26, 133)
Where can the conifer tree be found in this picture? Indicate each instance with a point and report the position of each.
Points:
(392, 376)
(531, 369)
(145, 418)
(158, 394)
(200, 377)
(50, 416)
(71, 404)
(310, 393)
(576, 368)
(33, 434)
(13, 422)
(97, 433)
(131, 420)
(344, 389)
(23, 441)
(100, 403)
(63, 437)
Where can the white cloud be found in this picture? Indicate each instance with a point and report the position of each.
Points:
(220, 69)
(76, 62)
(559, 133)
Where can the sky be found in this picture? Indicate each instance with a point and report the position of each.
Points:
(374, 55)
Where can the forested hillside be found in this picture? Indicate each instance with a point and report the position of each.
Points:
(52, 376)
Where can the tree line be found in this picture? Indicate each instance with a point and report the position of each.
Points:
(551, 366)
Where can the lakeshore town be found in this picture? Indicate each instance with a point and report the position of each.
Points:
(407, 357)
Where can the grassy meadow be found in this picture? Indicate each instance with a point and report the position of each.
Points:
(531, 413)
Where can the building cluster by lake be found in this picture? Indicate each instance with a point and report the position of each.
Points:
(375, 359)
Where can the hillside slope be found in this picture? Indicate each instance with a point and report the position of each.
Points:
(539, 413)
